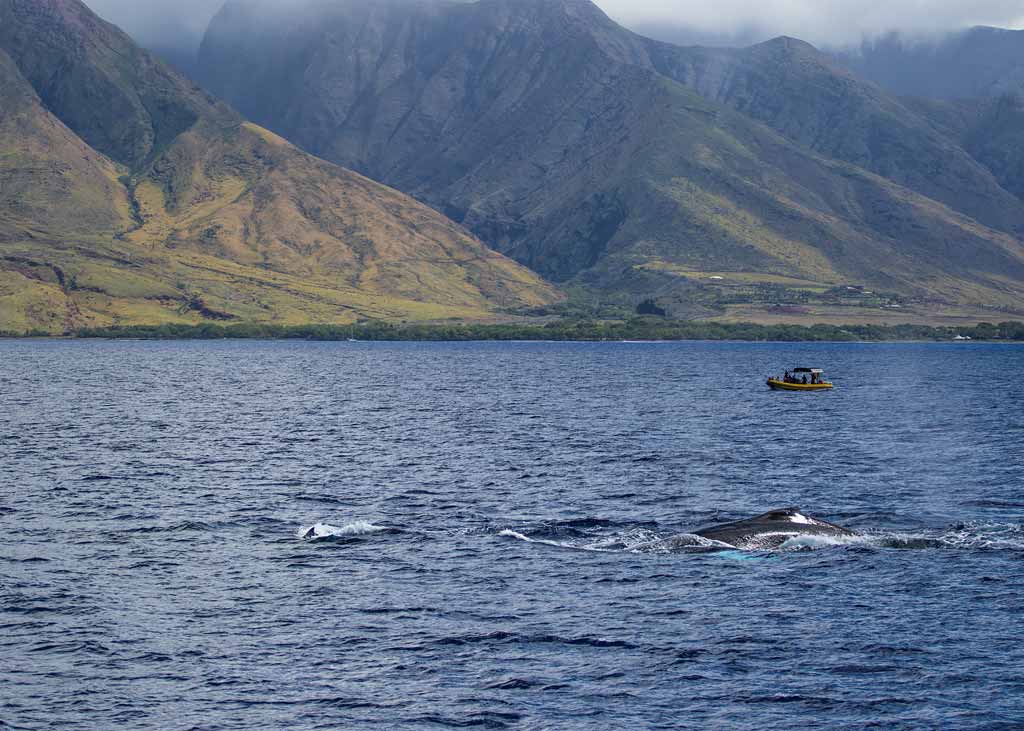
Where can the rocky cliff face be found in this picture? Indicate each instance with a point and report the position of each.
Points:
(991, 130)
(804, 95)
(116, 97)
(996, 140)
(967, 85)
(599, 157)
(476, 109)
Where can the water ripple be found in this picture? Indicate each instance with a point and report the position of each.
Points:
(351, 535)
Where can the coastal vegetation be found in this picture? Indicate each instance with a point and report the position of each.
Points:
(637, 328)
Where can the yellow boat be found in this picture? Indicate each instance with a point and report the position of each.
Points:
(812, 379)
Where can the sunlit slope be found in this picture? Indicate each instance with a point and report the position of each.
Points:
(245, 195)
(193, 214)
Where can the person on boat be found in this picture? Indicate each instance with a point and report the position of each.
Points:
(786, 378)
(805, 380)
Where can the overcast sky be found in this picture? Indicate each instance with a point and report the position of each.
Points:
(823, 22)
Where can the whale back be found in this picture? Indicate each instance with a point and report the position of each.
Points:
(772, 529)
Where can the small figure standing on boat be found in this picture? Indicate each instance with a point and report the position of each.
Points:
(800, 379)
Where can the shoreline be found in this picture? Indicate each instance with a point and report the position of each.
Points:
(635, 331)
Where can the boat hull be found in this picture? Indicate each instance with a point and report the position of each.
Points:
(783, 386)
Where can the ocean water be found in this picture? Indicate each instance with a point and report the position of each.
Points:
(271, 535)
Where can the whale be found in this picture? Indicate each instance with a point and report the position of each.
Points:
(772, 529)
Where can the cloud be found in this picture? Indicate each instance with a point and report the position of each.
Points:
(832, 22)
(829, 22)
(159, 22)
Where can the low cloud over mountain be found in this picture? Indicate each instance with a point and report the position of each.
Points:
(166, 23)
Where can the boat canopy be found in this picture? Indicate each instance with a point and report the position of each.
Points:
(808, 370)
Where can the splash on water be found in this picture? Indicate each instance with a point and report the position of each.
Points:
(319, 531)
(812, 542)
(509, 533)
(605, 537)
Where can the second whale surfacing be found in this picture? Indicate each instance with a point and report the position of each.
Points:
(772, 529)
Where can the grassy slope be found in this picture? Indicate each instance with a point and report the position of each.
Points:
(734, 196)
(219, 220)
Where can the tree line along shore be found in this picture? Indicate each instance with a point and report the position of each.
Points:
(639, 328)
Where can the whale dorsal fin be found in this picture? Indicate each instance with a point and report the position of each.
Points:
(781, 514)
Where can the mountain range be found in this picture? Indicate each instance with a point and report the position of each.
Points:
(606, 160)
(128, 194)
(538, 147)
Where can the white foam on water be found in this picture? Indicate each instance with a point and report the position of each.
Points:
(628, 541)
(326, 530)
(810, 542)
(1006, 537)
(639, 540)
(509, 533)
(682, 542)
(983, 536)
(973, 536)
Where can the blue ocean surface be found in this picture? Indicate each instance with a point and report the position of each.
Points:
(275, 535)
